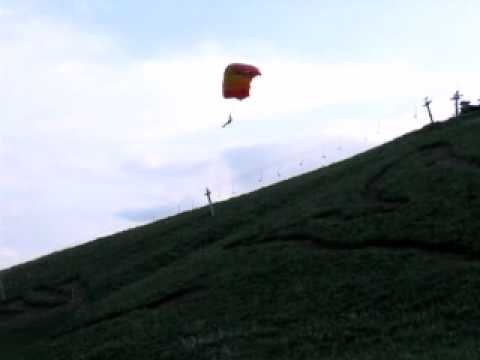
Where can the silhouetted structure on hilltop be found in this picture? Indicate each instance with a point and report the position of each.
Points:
(456, 97)
(467, 108)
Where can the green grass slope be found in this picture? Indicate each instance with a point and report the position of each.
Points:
(374, 257)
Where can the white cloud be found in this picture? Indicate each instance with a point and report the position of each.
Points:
(6, 13)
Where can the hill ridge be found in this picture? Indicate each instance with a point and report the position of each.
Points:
(379, 249)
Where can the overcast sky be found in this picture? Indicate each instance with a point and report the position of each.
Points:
(111, 110)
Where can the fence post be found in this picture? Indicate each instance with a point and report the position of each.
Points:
(427, 105)
(207, 194)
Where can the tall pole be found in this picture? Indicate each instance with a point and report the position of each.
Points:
(427, 105)
(207, 194)
(456, 97)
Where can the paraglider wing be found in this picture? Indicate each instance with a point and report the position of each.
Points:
(236, 80)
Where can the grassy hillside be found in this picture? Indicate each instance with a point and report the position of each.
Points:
(373, 257)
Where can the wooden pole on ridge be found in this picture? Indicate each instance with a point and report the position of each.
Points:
(427, 105)
(456, 97)
(207, 194)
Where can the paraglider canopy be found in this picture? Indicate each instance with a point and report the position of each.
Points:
(236, 80)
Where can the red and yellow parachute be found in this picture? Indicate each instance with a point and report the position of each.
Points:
(236, 80)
